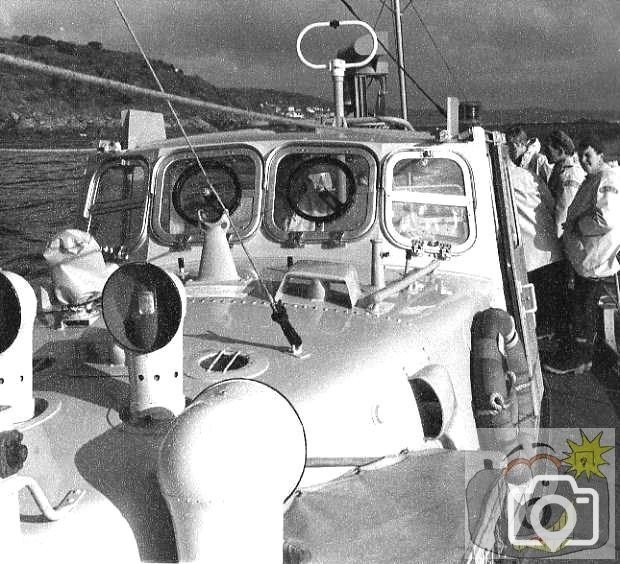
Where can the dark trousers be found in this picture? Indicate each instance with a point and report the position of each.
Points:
(585, 312)
(551, 285)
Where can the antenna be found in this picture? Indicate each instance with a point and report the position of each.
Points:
(441, 110)
(400, 57)
(337, 66)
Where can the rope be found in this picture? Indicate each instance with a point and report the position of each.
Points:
(379, 14)
(441, 110)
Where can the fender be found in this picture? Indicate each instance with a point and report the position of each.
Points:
(497, 378)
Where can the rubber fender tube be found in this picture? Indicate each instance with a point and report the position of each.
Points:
(492, 390)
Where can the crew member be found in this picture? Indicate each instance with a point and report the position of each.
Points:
(567, 174)
(543, 252)
(564, 182)
(525, 153)
(591, 241)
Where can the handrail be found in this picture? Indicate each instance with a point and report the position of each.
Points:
(394, 287)
(378, 120)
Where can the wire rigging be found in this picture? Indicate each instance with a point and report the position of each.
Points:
(279, 314)
(449, 69)
(439, 108)
(379, 14)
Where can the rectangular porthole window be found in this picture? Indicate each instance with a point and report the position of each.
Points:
(323, 193)
(428, 197)
(235, 173)
(117, 203)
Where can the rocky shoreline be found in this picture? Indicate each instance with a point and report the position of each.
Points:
(39, 122)
(44, 130)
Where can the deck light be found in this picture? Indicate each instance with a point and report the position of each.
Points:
(18, 306)
(143, 308)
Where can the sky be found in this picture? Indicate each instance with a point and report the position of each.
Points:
(560, 54)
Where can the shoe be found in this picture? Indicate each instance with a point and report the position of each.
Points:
(548, 345)
(571, 358)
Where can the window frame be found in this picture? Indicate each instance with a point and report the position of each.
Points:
(329, 149)
(467, 200)
(163, 236)
(93, 208)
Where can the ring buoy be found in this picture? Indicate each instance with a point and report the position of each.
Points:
(496, 377)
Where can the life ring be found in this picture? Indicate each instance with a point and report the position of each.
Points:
(495, 377)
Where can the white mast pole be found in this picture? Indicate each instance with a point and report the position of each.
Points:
(400, 58)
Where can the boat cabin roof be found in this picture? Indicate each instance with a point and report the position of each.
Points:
(318, 134)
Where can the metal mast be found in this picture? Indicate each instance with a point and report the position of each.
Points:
(400, 59)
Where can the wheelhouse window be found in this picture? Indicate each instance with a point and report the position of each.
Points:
(117, 203)
(183, 192)
(320, 194)
(429, 198)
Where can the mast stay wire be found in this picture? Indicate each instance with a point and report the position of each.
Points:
(410, 4)
(449, 69)
(279, 314)
(379, 14)
(439, 108)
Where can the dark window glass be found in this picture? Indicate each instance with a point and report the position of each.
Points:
(330, 190)
(244, 170)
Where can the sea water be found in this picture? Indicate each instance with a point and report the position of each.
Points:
(39, 196)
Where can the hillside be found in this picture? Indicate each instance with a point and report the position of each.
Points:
(35, 103)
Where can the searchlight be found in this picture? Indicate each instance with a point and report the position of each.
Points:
(18, 307)
(143, 308)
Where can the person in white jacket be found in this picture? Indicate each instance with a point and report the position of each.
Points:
(591, 242)
(567, 174)
(525, 153)
(543, 252)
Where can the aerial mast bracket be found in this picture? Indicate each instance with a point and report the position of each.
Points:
(337, 66)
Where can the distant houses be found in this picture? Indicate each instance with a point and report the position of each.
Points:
(320, 113)
(292, 112)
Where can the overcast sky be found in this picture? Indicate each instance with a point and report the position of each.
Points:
(562, 54)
